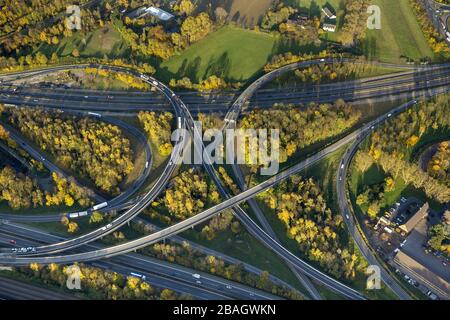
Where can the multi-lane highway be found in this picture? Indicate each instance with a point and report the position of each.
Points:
(112, 102)
(157, 272)
(17, 290)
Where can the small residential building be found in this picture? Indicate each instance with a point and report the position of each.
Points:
(412, 222)
(299, 18)
(328, 13)
(329, 27)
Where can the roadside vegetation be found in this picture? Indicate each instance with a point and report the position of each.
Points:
(383, 168)
(185, 255)
(439, 238)
(96, 283)
(191, 192)
(95, 150)
(158, 127)
(439, 166)
(301, 127)
(302, 207)
(22, 192)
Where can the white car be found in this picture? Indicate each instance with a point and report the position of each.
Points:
(432, 295)
(196, 276)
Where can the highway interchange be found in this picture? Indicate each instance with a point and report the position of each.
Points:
(229, 202)
(439, 14)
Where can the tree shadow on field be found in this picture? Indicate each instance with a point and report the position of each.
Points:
(370, 48)
(187, 69)
(314, 9)
(283, 45)
(219, 67)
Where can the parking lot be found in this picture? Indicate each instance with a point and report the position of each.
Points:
(414, 248)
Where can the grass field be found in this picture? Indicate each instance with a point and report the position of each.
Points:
(314, 5)
(102, 42)
(400, 34)
(232, 53)
(245, 13)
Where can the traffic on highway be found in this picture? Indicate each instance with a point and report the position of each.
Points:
(34, 253)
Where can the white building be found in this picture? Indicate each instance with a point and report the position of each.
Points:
(328, 13)
(329, 27)
(159, 13)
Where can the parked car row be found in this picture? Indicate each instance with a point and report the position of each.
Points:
(414, 283)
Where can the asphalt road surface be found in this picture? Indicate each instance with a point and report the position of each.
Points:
(315, 274)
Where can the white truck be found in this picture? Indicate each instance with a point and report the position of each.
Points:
(100, 206)
(137, 275)
(83, 214)
(74, 215)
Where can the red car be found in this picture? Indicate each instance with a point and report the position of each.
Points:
(12, 241)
